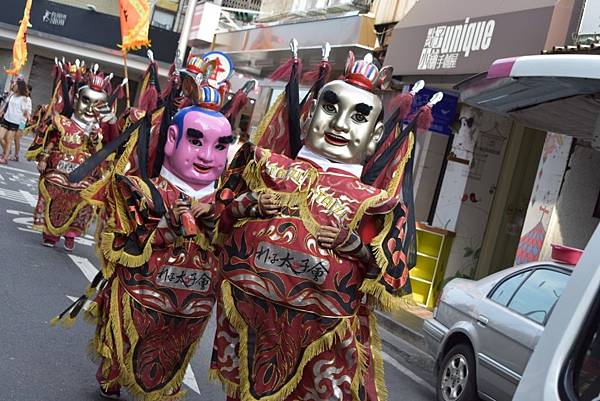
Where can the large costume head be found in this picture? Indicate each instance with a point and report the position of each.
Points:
(346, 120)
(91, 101)
(196, 147)
(194, 82)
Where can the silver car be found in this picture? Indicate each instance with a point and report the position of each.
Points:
(483, 332)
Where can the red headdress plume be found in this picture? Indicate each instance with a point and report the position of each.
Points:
(395, 246)
(279, 130)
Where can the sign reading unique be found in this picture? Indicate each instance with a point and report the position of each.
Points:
(445, 44)
(183, 278)
(292, 263)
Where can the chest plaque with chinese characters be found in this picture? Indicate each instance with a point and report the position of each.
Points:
(292, 263)
(185, 279)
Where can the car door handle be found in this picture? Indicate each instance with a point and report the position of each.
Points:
(482, 320)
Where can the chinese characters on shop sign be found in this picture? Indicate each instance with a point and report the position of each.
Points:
(445, 44)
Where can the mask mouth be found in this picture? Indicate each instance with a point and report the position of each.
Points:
(335, 139)
(201, 168)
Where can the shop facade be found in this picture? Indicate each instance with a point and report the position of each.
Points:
(60, 30)
(479, 182)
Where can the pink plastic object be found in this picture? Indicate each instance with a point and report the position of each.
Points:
(566, 254)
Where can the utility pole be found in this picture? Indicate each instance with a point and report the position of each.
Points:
(185, 31)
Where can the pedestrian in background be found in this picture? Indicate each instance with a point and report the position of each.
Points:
(17, 110)
(22, 126)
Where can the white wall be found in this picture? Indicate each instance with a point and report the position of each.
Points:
(572, 221)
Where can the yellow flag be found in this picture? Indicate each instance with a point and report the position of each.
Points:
(135, 23)
(20, 45)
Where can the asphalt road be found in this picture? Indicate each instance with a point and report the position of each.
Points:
(43, 363)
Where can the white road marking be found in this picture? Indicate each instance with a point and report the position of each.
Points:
(406, 372)
(20, 170)
(27, 221)
(190, 380)
(14, 196)
(18, 212)
(29, 198)
(86, 267)
(90, 271)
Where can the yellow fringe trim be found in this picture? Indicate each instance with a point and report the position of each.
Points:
(33, 153)
(383, 299)
(377, 244)
(361, 363)
(374, 287)
(324, 343)
(266, 120)
(229, 387)
(399, 173)
(62, 229)
(120, 256)
(126, 375)
(252, 175)
(88, 193)
(382, 392)
(122, 163)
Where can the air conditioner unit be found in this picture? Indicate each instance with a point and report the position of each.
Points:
(204, 24)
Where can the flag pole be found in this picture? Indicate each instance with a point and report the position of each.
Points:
(127, 78)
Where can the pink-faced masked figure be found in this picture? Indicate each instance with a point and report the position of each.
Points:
(196, 149)
(160, 272)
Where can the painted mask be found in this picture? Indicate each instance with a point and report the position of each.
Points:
(345, 124)
(89, 104)
(196, 147)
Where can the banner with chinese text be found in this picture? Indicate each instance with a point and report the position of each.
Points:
(135, 23)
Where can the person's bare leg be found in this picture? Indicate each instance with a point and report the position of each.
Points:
(18, 137)
(3, 132)
(8, 140)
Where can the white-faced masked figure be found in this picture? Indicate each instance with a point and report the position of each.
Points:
(61, 148)
(305, 242)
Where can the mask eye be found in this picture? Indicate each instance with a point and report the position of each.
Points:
(329, 108)
(196, 142)
(359, 118)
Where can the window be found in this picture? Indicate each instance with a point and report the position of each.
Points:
(163, 19)
(587, 385)
(505, 290)
(538, 294)
(583, 370)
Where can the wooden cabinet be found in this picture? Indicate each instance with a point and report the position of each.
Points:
(433, 248)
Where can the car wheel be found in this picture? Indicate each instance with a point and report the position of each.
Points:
(456, 378)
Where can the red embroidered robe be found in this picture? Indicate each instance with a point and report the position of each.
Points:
(291, 324)
(159, 297)
(61, 209)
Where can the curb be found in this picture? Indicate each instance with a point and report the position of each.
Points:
(413, 335)
(411, 357)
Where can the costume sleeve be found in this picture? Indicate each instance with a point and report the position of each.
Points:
(387, 278)
(41, 142)
(233, 192)
(132, 222)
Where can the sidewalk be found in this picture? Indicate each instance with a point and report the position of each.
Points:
(402, 337)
